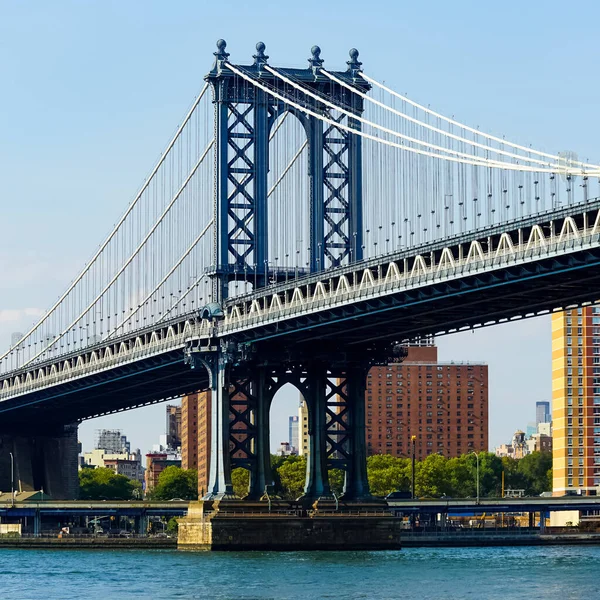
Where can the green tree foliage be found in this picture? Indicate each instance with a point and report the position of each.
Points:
(240, 478)
(105, 484)
(435, 476)
(175, 482)
(387, 473)
(536, 469)
(462, 477)
(513, 478)
(172, 525)
(336, 481)
(292, 475)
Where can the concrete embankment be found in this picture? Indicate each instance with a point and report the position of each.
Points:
(89, 542)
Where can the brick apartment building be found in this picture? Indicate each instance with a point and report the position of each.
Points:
(196, 436)
(445, 405)
(189, 432)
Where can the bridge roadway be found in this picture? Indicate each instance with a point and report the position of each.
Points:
(527, 267)
(172, 508)
(495, 505)
(64, 510)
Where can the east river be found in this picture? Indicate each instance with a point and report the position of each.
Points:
(547, 573)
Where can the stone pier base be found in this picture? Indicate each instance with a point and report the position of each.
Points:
(240, 526)
(41, 461)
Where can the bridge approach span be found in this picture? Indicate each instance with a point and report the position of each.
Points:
(497, 274)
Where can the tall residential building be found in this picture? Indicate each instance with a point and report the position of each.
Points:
(542, 412)
(445, 405)
(196, 436)
(189, 431)
(112, 441)
(576, 400)
(196, 422)
(293, 433)
(204, 441)
(173, 426)
(304, 447)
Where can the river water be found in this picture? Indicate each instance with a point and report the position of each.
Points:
(548, 573)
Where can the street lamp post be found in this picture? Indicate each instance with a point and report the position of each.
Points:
(477, 459)
(12, 478)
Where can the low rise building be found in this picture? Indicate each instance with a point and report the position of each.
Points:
(126, 463)
(539, 442)
(505, 451)
(130, 468)
(156, 463)
(285, 449)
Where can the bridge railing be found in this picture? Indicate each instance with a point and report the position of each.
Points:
(396, 276)
(23, 384)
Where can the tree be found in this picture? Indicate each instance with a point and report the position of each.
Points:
(172, 525)
(462, 478)
(433, 477)
(336, 481)
(513, 478)
(292, 474)
(175, 482)
(240, 478)
(387, 473)
(105, 484)
(536, 469)
(491, 474)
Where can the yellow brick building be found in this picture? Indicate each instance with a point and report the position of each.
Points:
(576, 400)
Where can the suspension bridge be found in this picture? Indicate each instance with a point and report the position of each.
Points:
(301, 224)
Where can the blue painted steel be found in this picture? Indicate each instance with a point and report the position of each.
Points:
(243, 118)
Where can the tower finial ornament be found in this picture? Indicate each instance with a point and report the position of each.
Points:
(315, 61)
(354, 64)
(221, 54)
(260, 58)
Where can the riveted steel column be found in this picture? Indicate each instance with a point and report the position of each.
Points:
(317, 210)
(261, 476)
(355, 221)
(261, 165)
(317, 477)
(219, 485)
(356, 485)
(355, 224)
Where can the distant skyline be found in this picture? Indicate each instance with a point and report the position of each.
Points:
(92, 92)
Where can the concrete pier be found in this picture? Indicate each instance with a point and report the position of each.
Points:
(41, 461)
(238, 525)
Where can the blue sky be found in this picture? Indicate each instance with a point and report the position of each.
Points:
(92, 91)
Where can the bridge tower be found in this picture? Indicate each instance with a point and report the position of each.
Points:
(244, 118)
(244, 379)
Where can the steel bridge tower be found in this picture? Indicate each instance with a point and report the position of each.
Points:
(244, 118)
(244, 380)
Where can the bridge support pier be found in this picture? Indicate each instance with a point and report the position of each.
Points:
(333, 383)
(317, 477)
(41, 461)
(356, 485)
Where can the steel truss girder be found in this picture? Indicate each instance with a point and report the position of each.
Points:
(510, 276)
